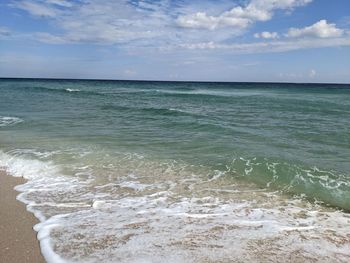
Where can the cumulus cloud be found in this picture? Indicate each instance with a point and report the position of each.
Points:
(202, 20)
(239, 17)
(144, 21)
(159, 25)
(321, 29)
(267, 35)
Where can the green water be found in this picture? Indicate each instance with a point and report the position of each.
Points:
(304, 129)
(289, 138)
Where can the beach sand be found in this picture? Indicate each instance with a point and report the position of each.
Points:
(18, 242)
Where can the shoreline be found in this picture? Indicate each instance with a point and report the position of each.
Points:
(18, 240)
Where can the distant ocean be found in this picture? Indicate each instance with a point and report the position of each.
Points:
(123, 171)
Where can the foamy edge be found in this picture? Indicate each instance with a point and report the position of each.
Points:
(18, 167)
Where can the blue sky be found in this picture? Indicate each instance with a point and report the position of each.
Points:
(207, 40)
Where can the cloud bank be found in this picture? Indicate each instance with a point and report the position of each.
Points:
(166, 25)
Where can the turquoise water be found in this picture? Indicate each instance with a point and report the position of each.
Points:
(116, 147)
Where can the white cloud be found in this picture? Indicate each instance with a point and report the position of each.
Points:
(239, 17)
(62, 3)
(102, 22)
(270, 47)
(202, 20)
(49, 38)
(321, 29)
(149, 23)
(37, 8)
(267, 35)
(140, 25)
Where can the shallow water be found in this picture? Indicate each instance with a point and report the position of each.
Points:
(181, 172)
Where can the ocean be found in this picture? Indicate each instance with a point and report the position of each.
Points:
(132, 171)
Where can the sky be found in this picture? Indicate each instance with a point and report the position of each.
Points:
(198, 40)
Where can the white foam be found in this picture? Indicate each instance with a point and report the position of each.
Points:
(9, 121)
(43, 236)
(73, 90)
(28, 169)
(135, 185)
(136, 216)
(38, 173)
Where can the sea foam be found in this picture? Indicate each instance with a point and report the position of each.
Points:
(72, 90)
(40, 175)
(149, 214)
(9, 121)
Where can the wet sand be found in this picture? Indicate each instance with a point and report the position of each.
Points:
(18, 242)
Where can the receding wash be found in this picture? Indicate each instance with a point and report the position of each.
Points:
(127, 171)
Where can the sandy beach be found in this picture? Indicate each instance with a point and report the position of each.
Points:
(18, 242)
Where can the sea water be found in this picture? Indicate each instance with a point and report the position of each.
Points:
(122, 171)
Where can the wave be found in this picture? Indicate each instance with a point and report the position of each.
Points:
(151, 110)
(41, 176)
(179, 92)
(330, 187)
(135, 214)
(209, 93)
(58, 90)
(73, 90)
(9, 121)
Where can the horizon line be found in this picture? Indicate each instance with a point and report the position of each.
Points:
(175, 81)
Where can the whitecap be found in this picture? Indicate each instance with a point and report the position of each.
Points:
(9, 121)
(73, 90)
